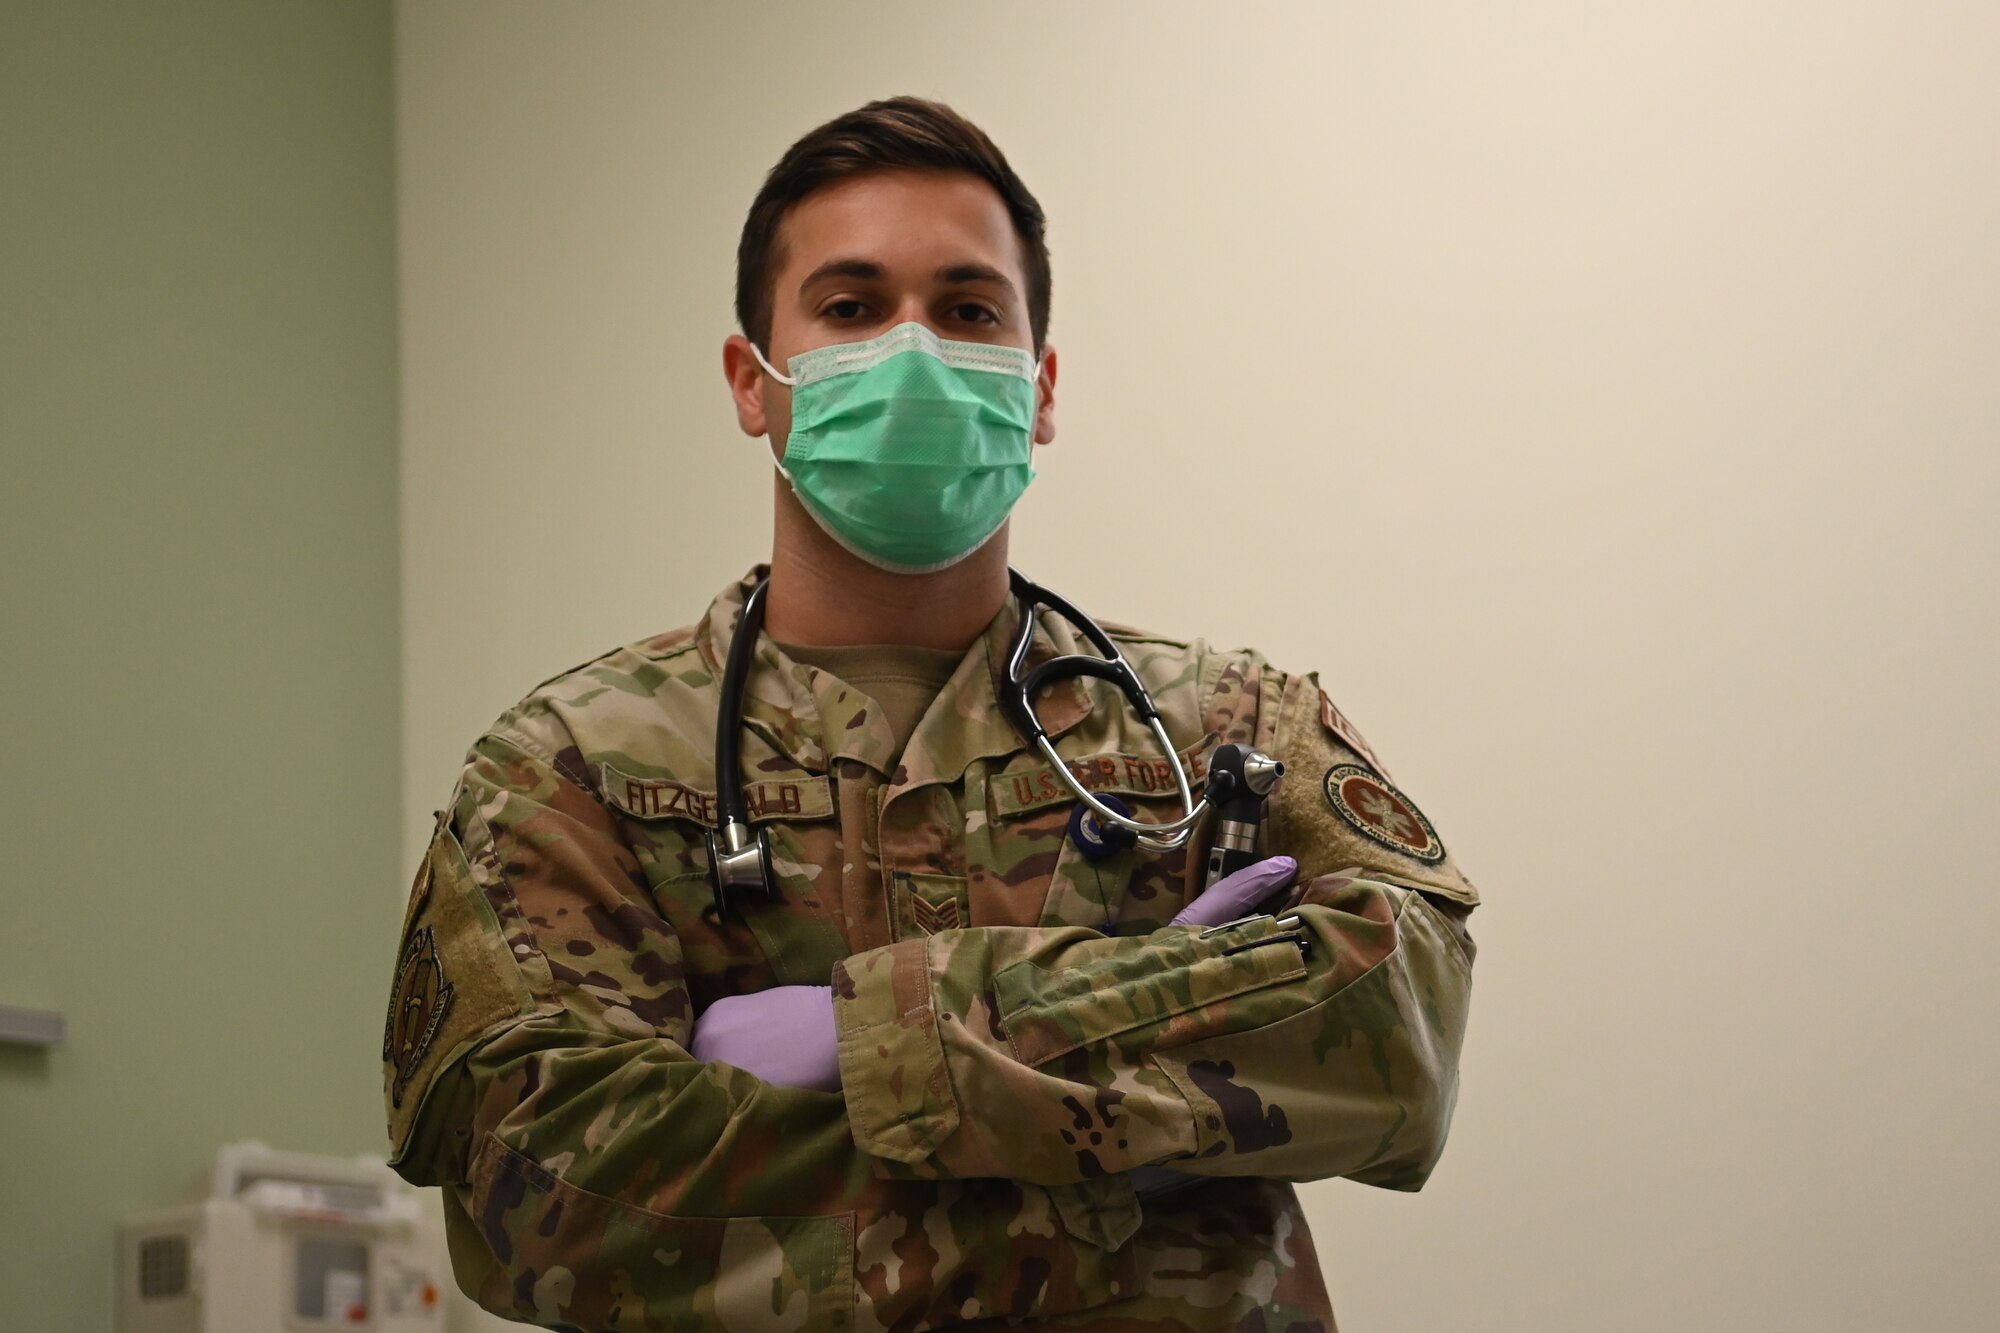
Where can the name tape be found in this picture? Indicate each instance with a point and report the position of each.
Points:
(800, 798)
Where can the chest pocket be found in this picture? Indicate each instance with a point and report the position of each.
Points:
(1029, 809)
(793, 941)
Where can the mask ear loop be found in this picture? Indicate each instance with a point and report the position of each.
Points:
(771, 370)
(787, 381)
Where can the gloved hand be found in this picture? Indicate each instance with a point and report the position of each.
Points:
(784, 1035)
(1238, 894)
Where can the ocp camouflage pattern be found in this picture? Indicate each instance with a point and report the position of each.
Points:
(1020, 1031)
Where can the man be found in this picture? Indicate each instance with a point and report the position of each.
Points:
(959, 1070)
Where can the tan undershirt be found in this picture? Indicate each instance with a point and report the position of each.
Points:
(901, 679)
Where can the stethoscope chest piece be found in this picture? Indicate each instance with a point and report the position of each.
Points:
(1097, 841)
(739, 866)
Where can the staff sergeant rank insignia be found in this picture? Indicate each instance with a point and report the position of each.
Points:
(422, 999)
(1380, 813)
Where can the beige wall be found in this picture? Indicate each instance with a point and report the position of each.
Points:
(198, 626)
(1601, 397)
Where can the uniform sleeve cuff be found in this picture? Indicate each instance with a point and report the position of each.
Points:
(892, 1071)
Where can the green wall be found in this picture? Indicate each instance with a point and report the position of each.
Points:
(198, 702)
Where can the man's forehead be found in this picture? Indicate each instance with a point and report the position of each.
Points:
(931, 220)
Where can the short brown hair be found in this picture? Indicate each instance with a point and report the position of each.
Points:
(900, 133)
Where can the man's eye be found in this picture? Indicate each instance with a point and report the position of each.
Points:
(971, 312)
(844, 310)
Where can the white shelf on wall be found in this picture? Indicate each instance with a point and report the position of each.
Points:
(30, 1027)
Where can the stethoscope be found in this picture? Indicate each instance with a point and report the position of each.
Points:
(1239, 777)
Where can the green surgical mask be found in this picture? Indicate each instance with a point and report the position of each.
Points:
(910, 449)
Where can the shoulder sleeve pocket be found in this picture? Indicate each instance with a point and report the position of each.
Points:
(452, 984)
(1336, 810)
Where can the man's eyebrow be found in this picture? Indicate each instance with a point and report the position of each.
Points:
(865, 269)
(973, 273)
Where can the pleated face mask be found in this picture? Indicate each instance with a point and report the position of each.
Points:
(910, 450)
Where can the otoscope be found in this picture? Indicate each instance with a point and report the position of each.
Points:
(1239, 780)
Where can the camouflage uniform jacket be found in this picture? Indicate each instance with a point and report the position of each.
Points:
(1006, 1059)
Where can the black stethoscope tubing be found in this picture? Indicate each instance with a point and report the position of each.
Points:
(729, 803)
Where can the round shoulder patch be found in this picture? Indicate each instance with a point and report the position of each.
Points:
(1380, 813)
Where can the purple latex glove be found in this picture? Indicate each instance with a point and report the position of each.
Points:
(1237, 895)
(785, 1035)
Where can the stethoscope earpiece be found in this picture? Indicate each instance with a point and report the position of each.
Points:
(1023, 683)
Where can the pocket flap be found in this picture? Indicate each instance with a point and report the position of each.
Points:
(628, 1266)
(1103, 1211)
(1049, 1014)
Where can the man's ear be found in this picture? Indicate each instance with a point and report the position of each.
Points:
(747, 384)
(1045, 405)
